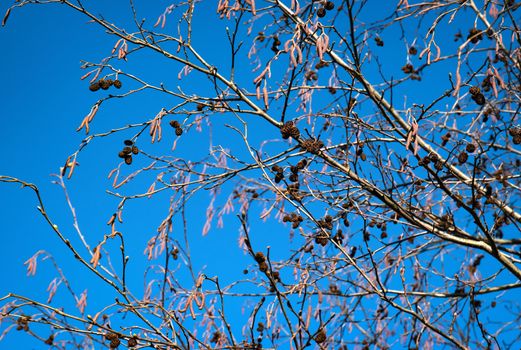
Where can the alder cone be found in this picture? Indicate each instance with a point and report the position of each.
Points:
(329, 5)
(320, 337)
(94, 87)
(132, 342)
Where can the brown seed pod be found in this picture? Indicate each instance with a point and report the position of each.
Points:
(463, 157)
(321, 12)
(312, 145)
(111, 336)
(200, 107)
(127, 150)
(94, 86)
(174, 124)
(117, 84)
(408, 68)
(288, 130)
(515, 130)
(379, 41)
(474, 90)
(114, 343)
(135, 150)
(132, 342)
(128, 160)
(329, 5)
(413, 51)
(320, 337)
(178, 131)
(263, 266)
(128, 142)
(259, 257)
(470, 147)
(104, 84)
(479, 99)
(474, 35)
(277, 169)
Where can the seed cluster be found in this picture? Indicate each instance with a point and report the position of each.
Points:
(408, 69)
(445, 138)
(105, 84)
(127, 151)
(474, 35)
(114, 340)
(261, 260)
(175, 124)
(433, 157)
(312, 145)
(132, 342)
(294, 218)
(175, 253)
(321, 336)
(289, 129)
(216, 337)
(279, 173)
(275, 45)
(311, 75)
(477, 96)
(515, 132)
(328, 6)
(22, 322)
(463, 157)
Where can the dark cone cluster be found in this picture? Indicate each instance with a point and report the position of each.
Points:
(177, 126)
(515, 132)
(445, 138)
(22, 322)
(127, 151)
(104, 84)
(94, 86)
(312, 145)
(289, 130)
(320, 337)
(279, 173)
(474, 35)
(294, 218)
(132, 342)
(463, 157)
(328, 6)
(477, 96)
(261, 260)
(408, 69)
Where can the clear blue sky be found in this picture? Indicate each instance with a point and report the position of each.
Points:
(43, 102)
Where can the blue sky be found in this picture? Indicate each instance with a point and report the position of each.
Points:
(44, 101)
